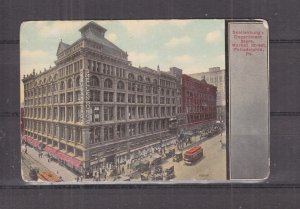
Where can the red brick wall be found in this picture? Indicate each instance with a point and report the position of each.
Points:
(198, 100)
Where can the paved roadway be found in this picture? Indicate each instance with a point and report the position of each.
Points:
(42, 163)
(211, 167)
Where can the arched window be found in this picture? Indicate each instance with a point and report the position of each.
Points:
(120, 85)
(94, 81)
(155, 82)
(50, 79)
(140, 78)
(108, 83)
(130, 76)
(62, 85)
(55, 77)
(148, 80)
(77, 81)
(70, 83)
(168, 92)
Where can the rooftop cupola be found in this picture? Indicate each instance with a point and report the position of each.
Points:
(92, 30)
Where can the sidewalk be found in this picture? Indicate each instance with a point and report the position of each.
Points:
(52, 165)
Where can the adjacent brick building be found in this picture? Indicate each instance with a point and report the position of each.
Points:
(198, 102)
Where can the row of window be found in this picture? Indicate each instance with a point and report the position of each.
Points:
(69, 133)
(198, 108)
(55, 113)
(70, 114)
(68, 70)
(117, 131)
(106, 69)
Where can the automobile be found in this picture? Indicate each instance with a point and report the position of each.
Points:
(33, 172)
(170, 153)
(145, 176)
(143, 166)
(169, 173)
(123, 178)
(49, 176)
(156, 173)
(178, 157)
(156, 161)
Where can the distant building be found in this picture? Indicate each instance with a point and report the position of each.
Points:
(198, 102)
(216, 77)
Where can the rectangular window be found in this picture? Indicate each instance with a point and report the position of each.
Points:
(121, 130)
(131, 98)
(148, 99)
(108, 133)
(62, 113)
(121, 113)
(131, 86)
(149, 112)
(155, 100)
(62, 98)
(77, 96)
(148, 89)
(162, 112)
(69, 114)
(140, 88)
(97, 134)
(44, 113)
(77, 135)
(167, 100)
(95, 114)
(61, 132)
(55, 113)
(140, 99)
(141, 112)
(108, 113)
(132, 129)
(77, 113)
(120, 97)
(70, 97)
(108, 96)
(155, 111)
(131, 112)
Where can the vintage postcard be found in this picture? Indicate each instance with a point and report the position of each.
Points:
(129, 100)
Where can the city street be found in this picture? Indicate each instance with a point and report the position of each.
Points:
(211, 167)
(32, 158)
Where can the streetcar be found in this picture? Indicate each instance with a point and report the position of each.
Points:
(193, 155)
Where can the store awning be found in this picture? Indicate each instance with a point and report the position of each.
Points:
(34, 142)
(68, 159)
(75, 162)
(24, 138)
(29, 139)
(50, 150)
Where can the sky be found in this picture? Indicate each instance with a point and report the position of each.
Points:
(192, 45)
